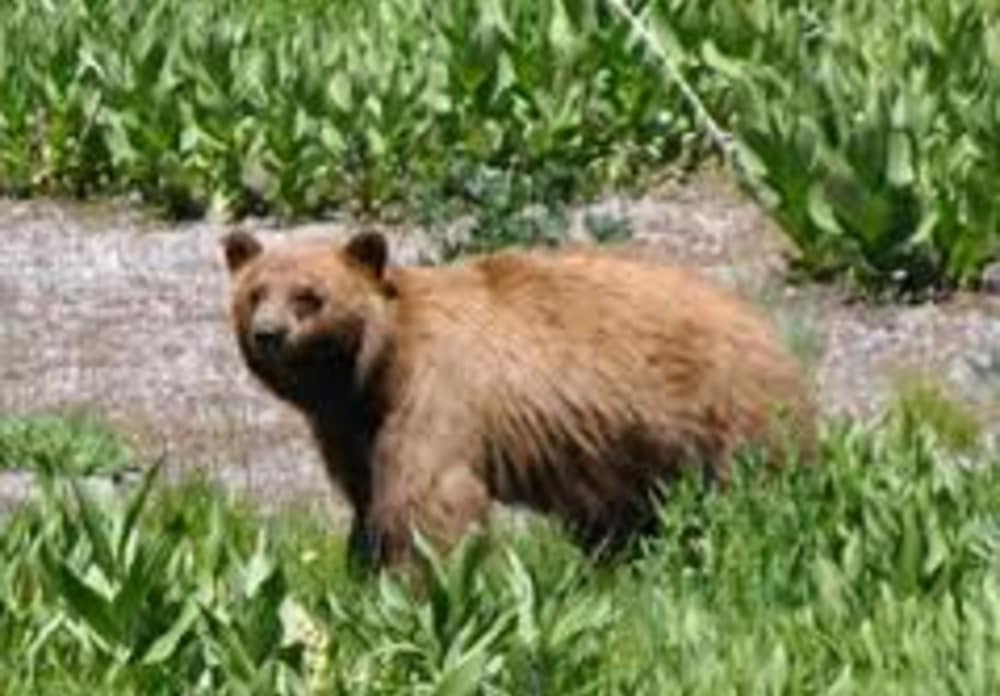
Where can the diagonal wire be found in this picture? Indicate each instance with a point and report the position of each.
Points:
(722, 138)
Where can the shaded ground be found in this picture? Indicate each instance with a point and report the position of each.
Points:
(103, 310)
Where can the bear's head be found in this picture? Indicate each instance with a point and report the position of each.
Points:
(304, 311)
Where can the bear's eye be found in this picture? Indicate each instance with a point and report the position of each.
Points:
(306, 302)
(256, 295)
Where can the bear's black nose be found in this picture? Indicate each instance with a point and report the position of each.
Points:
(269, 339)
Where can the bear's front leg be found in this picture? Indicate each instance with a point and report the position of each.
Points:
(425, 478)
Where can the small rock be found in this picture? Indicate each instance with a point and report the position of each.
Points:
(991, 279)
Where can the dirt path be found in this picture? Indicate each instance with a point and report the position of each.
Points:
(101, 309)
(106, 313)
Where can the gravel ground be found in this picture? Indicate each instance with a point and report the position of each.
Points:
(105, 310)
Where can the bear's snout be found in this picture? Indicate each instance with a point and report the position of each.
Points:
(269, 338)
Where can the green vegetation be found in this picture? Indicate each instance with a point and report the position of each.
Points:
(922, 399)
(74, 444)
(304, 105)
(871, 130)
(875, 572)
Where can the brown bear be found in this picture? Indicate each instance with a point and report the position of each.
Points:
(574, 382)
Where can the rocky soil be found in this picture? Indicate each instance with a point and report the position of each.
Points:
(104, 309)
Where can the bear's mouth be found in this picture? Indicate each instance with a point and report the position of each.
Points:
(301, 371)
(270, 346)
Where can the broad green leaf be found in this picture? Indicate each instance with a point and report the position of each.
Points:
(228, 647)
(164, 647)
(821, 213)
(937, 547)
(339, 91)
(259, 569)
(93, 609)
(141, 578)
(714, 58)
(136, 505)
(464, 678)
(909, 550)
(585, 616)
(43, 636)
(561, 32)
(900, 164)
(97, 533)
(852, 559)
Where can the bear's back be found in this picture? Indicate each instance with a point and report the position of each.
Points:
(570, 352)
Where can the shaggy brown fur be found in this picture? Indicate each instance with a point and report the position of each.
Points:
(572, 382)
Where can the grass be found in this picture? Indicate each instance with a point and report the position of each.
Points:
(876, 572)
(861, 125)
(299, 107)
(958, 426)
(869, 130)
(61, 444)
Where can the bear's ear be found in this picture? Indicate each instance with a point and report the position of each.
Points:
(240, 247)
(369, 249)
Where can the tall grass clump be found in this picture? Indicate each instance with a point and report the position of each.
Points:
(67, 443)
(304, 106)
(871, 130)
(875, 571)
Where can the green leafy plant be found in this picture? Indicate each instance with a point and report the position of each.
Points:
(504, 216)
(865, 132)
(922, 402)
(606, 228)
(61, 444)
(305, 106)
(876, 570)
